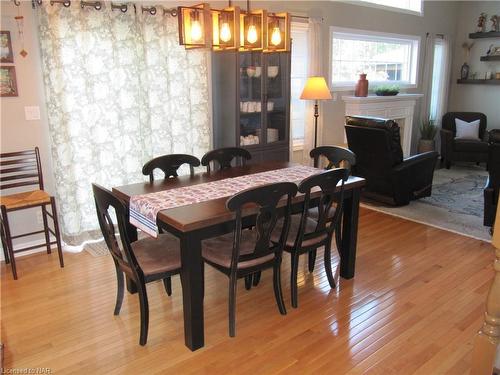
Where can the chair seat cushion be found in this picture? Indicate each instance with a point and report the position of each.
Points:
(219, 250)
(25, 199)
(157, 255)
(294, 229)
(468, 145)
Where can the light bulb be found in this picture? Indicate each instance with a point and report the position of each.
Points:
(196, 32)
(276, 36)
(225, 32)
(252, 34)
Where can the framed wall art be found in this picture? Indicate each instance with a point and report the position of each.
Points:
(8, 83)
(6, 53)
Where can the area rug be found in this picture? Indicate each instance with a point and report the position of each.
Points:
(456, 203)
(96, 248)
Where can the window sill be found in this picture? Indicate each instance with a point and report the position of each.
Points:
(298, 145)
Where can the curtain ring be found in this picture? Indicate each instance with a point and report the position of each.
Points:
(65, 3)
(151, 10)
(96, 4)
(171, 11)
(121, 7)
(16, 2)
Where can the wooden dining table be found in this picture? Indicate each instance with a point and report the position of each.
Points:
(195, 222)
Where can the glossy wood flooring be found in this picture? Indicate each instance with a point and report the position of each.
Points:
(414, 307)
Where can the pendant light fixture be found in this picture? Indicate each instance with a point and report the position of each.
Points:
(252, 29)
(232, 29)
(226, 26)
(195, 26)
(278, 31)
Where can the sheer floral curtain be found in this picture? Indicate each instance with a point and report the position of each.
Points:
(119, 90)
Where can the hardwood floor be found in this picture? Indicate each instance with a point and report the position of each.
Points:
(416, 302)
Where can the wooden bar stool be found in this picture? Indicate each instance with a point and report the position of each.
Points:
(19, 169)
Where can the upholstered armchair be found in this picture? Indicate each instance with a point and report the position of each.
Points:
(455, 149)
(379, 158)
(493, 183)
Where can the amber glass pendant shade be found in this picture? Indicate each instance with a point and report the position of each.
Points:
(253, 32)
(278, 32)
(195, 26)
(226, 29)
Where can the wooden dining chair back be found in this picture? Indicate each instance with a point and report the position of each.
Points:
(169, 164)
(337, 157)
(224, 157)
(327, 182)
(23, 170)
(306, 234)
(245, 252)
(143, 261)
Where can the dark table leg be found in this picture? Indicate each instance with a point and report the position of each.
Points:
(192, 291)
(349, 234)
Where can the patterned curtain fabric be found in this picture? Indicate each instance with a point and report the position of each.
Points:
(119, 91)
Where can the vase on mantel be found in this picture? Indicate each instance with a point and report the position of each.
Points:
(361, 86)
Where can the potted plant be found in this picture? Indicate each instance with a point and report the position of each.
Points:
(387, 90)
(428, 132)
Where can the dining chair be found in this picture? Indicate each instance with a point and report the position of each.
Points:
(20, 169)
(143, 261)
(225, 156)
(337, 157)
(307, 235)
(169, 164)
(245, 251)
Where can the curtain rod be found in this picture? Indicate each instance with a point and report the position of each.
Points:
(123, 7)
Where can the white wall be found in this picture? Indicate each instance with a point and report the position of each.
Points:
(475, 98)
(17, 133)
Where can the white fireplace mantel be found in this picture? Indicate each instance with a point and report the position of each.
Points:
(399, 107)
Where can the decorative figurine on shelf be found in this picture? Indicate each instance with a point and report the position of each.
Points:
(464, 71)
(494, 23)
(481, 23)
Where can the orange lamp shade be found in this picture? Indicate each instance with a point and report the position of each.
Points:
(316, 89)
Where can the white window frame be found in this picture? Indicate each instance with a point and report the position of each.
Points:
(369, 4)
(368, 35)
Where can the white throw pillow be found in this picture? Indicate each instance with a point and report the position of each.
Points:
(467, 130)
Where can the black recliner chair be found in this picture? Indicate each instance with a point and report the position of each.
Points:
(491, 190)
(389, 178)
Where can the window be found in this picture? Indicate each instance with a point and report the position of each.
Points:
(299, 71)
(385, 58)
(412, 6)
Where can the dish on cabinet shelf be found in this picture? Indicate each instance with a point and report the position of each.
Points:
(272, 71)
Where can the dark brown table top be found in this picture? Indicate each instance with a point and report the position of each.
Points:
(200, 215)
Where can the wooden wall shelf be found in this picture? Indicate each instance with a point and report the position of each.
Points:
(490, 58)
(479, 81)
(490, 34)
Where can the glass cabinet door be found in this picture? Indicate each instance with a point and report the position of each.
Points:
(275, 98)
(251, 71)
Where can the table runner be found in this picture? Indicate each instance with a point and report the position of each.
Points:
(144, 208)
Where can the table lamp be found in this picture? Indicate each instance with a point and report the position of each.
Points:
(316, 89)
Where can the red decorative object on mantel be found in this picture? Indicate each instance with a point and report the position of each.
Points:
(361, 86)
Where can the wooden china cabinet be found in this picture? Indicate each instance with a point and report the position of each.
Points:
(251, 103)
